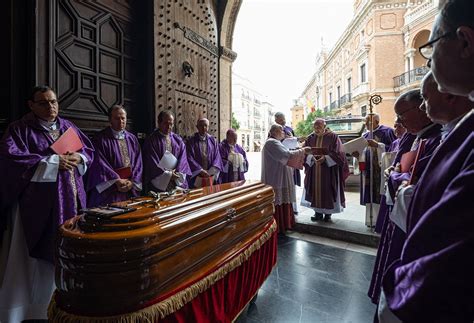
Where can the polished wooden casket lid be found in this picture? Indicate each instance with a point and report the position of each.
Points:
(117, 265)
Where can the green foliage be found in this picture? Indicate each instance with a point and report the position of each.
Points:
(234, 123)
(305, 127)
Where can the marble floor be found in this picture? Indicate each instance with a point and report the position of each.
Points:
(315, 280)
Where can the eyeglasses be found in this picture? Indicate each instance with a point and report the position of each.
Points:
(45, 103)
(400, 116)
(426, 50)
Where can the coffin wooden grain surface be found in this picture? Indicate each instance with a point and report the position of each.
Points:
(118, 265)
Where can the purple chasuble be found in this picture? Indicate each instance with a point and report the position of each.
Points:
(433, 280)
(153, 150)
(386, 136)
(195, 157)
(108, 158)
(322, 182)
(43, 206)
(224, 149)
(392, 237)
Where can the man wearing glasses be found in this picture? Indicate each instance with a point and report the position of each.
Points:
(433, 280)
(39, 190)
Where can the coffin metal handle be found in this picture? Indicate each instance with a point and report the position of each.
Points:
(231, 213)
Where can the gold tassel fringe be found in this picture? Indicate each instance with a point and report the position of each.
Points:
(171, 304)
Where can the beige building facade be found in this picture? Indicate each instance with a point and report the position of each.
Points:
(376, 54)
(297, 115)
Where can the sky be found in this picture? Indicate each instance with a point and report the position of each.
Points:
(277, 42)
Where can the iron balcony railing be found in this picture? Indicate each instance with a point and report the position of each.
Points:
(346, 98)
(410, 76)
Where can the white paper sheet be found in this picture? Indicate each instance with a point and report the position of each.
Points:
(168, 161)
(357, 144)
(290, 142)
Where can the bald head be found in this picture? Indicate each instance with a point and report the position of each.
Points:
(319, 126)
(407, 108)
(372, 120)
(441, 107)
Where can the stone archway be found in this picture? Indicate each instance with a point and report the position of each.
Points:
(419, 39)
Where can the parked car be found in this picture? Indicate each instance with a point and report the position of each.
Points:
(348, 128)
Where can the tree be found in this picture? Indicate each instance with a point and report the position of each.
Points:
(234, 123)
(305, 127)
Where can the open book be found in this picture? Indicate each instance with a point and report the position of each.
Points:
(357, 144)
(68, 142)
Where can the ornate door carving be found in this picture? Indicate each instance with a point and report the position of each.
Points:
(186, 58)
(96, 59)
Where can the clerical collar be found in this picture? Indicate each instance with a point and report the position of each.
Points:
(471, 96)
(447, 128)
(48, 125)
(202, 138)
(162, 133)
(118, 134)
(424, 130)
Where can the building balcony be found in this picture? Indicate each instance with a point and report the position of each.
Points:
(345, 100)
(334, 105)
(420, 11)
(407, 78)
(361, 89)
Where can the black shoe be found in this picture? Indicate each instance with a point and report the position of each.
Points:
(327, 217)
(317, 217)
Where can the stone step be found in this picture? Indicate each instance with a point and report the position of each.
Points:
(339, 229)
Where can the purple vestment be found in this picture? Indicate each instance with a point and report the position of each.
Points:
(43, 206)
(385, 136)
(392, 237)
(433, 280)
(321, 181)
(153, 150)
(195, 157)
(227, 177)
(108, 158)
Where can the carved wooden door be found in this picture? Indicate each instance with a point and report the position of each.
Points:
(98, 60)
(186, 58)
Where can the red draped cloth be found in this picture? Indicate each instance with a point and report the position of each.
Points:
(284, 217)
(224, 301)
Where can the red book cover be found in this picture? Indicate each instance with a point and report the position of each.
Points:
(68, 142)
(124, 172)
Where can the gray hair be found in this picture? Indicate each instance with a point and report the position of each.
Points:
(279, 115)
(202, 120)
(274, 128)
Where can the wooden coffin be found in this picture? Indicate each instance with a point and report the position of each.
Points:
(114, 266)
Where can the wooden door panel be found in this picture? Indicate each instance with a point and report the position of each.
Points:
(95, 59)
(187, 33)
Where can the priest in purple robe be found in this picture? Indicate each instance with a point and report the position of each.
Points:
(204, 157)
(386, 166)
(377, 142)
(325, 174)
(277, 164)
(417, 123)
(164, 157)
(234, 159)
(116, 173)
(288, 131)
(40, 189)
(433, 281)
